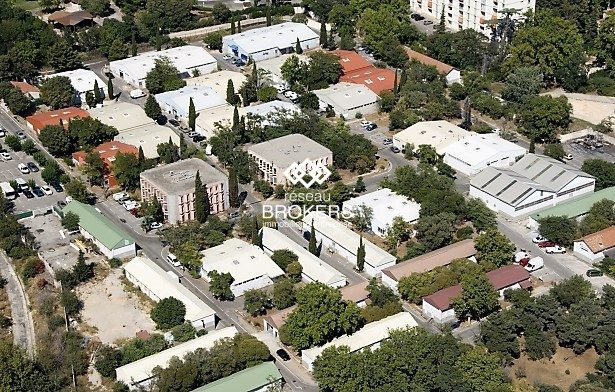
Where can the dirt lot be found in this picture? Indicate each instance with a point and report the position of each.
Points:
(114, 313)
(562, 370)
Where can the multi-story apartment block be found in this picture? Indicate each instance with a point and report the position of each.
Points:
(274, 156)
(471, 14)
(173, 185)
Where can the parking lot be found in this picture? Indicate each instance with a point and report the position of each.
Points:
(10, 172)
(580, 153)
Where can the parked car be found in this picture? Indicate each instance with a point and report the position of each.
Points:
(394, 149)
(364, 123)
(38, 191)
(6, 156)
(28, 194)
(136, 212)
(172, 259)
(533, 264)
(555, 249)
(538, 239)
(546, 244)
(47, 190)
(2, 132)
(137, 93)
(32, 166)
(387, 141)
(417, 17)
(120, 196)
(57, 187)
(568, 157)
(198, 138)
(283, 354)
(155, 225)
(174, 122)
(226, 57)
(427, 22)
(21, 135)
(592, 273)
(23, 168)
(130, 205)
(371, 127)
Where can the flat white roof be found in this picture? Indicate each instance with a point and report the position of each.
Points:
(313, 267)
(148, 137)
(369, 335)
(438, 134)
(271, 108)
(121, 115)
(242, 260)
(202, 96)
(164, 285)
(386, 205)
(345, 237)
(274, 65)
(476, 148)
(218, 81)
(141, 370)
(208, 118)
(283, 35)
(184, 58)
(347, 96)
(82, 79)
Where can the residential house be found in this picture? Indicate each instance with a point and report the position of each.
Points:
(38, 121)
(107, 152)
(452, 74)
(595, 247)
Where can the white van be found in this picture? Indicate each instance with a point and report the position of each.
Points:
(173, 260)
(137, 93)
(535, 263)
(7, 189)
(22, 184)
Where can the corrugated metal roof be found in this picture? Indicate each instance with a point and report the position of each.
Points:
(576, 207)
(250, 379)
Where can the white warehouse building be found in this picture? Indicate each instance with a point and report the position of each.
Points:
(475, 152)
(348, 99)
(189, 60)
(386, 205)
(314, 269)
(177, 102)
(532, 183)
(337, 237)
(138, 375)
(157, 284)
(269, 42)
(368, 337)
(248, 264)
(83, 81)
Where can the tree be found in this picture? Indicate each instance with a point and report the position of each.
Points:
(552, 44)
(110, 93)
(152, 108)
(202, 207)
(283, 257)
(163, 77)
(494, 248)
(294, 70)
(604, 172)
(72, 305)
(51, 172)
(62, 57)
(191, 116)
(435, 231)
(98, 97)
(267, 94)
(298, 48)
(323, 69)
(605, 42)
(233, 187)
(213, 40)
(13, 142)
(183, 332)
(233, 30)
(359, 186)
(221, 13)
(522, 84)
(82, 271)
(239, 25)
(559, 229)
(543, 117)
(398, 232)
(126, 170)
(312, 244)
(168, 152)
(293, 270)
(481, 216)
(70, 221)
(231, 96)
(256, 302)
(361, 255)
(78, 190)
(56, 140)
(478, 297)
(284, 295)
(321, 315)
(573, 290)
(17, 102)
(362, 217)
(555, 151)
(94, 168)
(323, 34)
(168, 313)
(57, 92)
(220, 285)
(482, 371)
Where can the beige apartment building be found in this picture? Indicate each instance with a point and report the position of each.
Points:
(274, 156)
(173, 185)
(471, 14)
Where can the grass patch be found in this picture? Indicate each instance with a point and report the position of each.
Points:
(26, 5)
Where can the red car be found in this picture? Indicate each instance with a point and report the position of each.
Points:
(135, 212)
(545, 244)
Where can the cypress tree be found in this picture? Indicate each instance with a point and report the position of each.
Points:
(312, 245)
(255, 234)
(395, 89)
(235, 124)
(110, 93)
(191, 115)
(182, 146)
(239, 25)
(268, 17)
(233, 26)
(233, 188)
(323, 34)
(298, 48)
(331, 40)
(133, 44)
(152, 109)
(97, 95)
(141, 158)
(201, 200)
(361, 255)
(231, 97)
(402, 79)
(442, 25)
(244, 97)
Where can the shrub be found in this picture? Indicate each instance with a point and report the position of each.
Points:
(168, 313)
